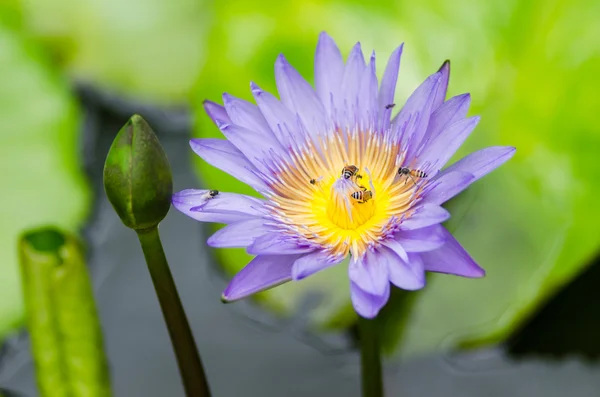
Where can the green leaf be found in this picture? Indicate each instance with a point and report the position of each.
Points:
(531, 69)
(40, 172)
(149, 49)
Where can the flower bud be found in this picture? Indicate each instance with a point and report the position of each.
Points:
(137, 176)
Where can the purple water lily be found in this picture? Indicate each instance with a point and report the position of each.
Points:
(340, 177)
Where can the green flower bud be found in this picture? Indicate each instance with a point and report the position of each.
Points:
(63, 324)
(137, 176)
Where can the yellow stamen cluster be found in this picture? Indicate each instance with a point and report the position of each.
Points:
(322, 212)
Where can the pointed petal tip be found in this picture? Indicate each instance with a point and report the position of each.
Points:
(324, 35)
(445, 65)
(224, 299)
(227, 98)
(195, 142)
(281, 60)
(255, 88)
(222, 125)
(211, 107)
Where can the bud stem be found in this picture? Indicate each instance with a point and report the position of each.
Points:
(186, 352)
(370, 358)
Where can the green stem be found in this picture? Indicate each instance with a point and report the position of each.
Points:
(186, 352)
(370, 358)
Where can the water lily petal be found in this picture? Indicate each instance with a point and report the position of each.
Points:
(365, 304)
(225, 156)
(425, 215)
(274, 244)
(353, 72)
(440, 96)
(439, 151)
(447, 185)
(239, 234)
(483, 161)
(408, 275)
(215, 111)
(388, 86)
(263, 272)
(421, 240)
(312, 263)
(367, 96)
(370, 273)
(281, 120)
(329, 71)
(247, 115)
(224, 208)
(451, 258)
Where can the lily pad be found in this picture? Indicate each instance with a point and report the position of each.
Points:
(41, 175)
(530, 223)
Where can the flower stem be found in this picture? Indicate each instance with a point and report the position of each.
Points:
(370, 358)
(186, 352)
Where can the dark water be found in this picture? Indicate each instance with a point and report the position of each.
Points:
(249, 353)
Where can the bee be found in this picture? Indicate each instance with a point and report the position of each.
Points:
(350, 171)
(212, 194)
(412, 174)
(314, 181)
(362, 196)
(391, 105)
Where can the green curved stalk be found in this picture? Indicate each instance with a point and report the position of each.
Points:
(370, 358)
(66, 337)
(186, 352)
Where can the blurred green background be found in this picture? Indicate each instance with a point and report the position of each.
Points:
(531, 67)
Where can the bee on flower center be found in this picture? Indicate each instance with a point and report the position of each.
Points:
(412, 174)
(362, 196)
(350, 171)
(314, 181)
(212, 194)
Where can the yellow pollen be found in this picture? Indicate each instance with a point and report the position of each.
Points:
(315, 202)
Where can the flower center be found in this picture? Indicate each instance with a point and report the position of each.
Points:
(343, 194)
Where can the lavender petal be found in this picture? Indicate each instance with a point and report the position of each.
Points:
(312, 263)
(238, 235)
(369, 273)
(247, 115)
(421, 240)
(388, 86)
(451, 258)
(367, 96)
(223, 155)
(253, 146)
(451, 111)
(281, 120)
(425, 215)
(298, 96)
(273, 244)
(482, 162)
(215, 111)
(445, 186)
(225, 208)
(410, 125)
(438, 152)
(440, 96)
(329, 70)
(263, 272)
(365, 304)
(353, 72)
(408, 275)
